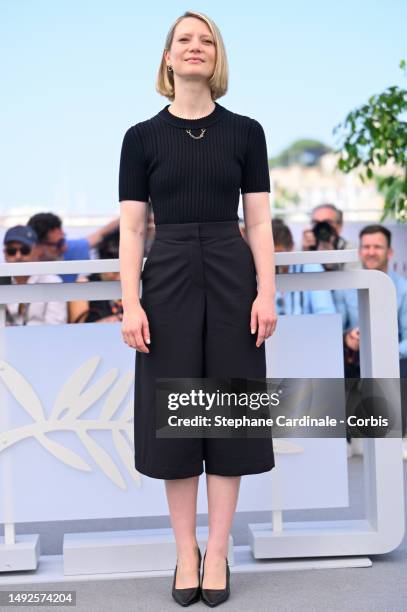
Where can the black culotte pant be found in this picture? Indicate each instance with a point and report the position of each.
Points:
(198, 286)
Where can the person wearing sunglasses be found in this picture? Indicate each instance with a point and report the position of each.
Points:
(20, 244)
(54, 245)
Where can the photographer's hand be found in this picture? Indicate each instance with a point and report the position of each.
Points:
(352, 339)
(308, 240)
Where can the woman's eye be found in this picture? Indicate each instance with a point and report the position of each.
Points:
(205, 41)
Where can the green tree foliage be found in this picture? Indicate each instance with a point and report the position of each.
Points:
(374, 134)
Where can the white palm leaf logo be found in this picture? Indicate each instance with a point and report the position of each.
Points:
(71, 403)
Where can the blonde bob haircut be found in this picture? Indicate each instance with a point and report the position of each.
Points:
(218, 82)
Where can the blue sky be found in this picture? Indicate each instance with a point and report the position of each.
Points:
(77, 73)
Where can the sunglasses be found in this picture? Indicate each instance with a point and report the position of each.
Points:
(58, 244)
(24, 250)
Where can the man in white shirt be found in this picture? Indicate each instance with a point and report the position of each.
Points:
(20, 244)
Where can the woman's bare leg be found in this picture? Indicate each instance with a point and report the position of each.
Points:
(182, 496)
(223, 493)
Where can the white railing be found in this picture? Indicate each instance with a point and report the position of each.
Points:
(111, 289)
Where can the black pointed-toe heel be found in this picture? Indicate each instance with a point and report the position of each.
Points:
(214, 597)
(188, 596)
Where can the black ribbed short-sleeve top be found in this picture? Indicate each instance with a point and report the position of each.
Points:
(193, 179)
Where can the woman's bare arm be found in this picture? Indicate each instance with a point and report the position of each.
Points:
(131, 249)
(259, 235)
(135, 329)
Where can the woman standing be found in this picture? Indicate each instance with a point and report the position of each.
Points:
(202, 313)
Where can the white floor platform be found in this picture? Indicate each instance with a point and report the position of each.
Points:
(50, 568)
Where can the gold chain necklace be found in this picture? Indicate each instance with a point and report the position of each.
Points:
(203, 130)
(201, 135)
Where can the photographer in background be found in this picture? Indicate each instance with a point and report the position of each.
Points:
(327, 239)
(325, 234)
(298, 302)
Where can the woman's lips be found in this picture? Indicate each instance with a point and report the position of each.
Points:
(194, 61)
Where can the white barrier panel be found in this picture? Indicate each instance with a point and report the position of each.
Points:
(68, 401)
(318, 467)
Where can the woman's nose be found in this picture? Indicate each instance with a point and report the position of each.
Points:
(195, 45)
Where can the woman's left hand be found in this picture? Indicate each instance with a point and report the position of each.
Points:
(263, 317)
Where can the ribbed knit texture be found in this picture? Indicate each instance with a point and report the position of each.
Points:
(189, 180)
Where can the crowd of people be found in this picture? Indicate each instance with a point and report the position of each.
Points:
(44, 239)
(375, 253)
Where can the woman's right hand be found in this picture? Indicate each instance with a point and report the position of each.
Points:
(135, 329)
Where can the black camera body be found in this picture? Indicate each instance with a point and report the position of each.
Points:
(324, 233)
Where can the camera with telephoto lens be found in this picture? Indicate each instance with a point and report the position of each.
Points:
(325, 234)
